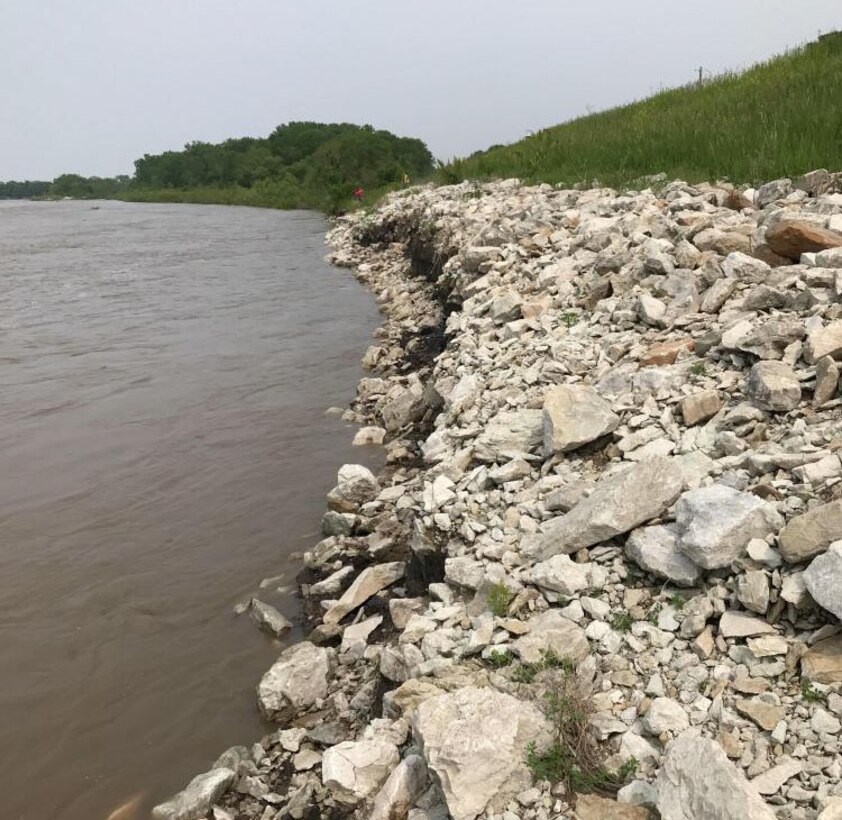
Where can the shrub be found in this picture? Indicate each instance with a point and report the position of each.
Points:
(575, 757)
(499, 598)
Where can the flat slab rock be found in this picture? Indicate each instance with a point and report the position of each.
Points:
(811, 533)
(474, 740)
(618, 504)
(698, 782)
(593, 807)
(354, 770)
(822, 663)
(551, 631)
(736, 624)
(369, 582)
(575, 415)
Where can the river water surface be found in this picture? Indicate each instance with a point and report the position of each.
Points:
(163, 447)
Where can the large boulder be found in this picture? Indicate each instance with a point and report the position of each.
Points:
(552, 632)
(811, 533)
(474, 740)
(369, 582)
(792, 238)
(824, 579)
(773, 385)
(698, 782)
(355, 770)
(296, 680)
(619, 503)
(509, 434)
(655, 549)
(196, 800)
(575, 415)
(716, 523)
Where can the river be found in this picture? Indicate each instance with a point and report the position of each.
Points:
(163, 446)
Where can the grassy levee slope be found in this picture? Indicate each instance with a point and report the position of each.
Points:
(780, 118)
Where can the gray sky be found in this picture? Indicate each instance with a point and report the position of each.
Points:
(89, 85)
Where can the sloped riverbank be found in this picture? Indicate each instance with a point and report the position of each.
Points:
(613, 480)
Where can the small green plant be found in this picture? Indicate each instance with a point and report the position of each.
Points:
(677, 602)
(697, 369)
(525, 673)
(575, 758)
(654, 612)
(811, 694)
(497, 660)
(569, 318)
(499, 598)
(622, 622)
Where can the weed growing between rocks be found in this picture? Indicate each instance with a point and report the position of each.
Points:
(622, 622)
(811, 694)
(499, 599)
(575, 758)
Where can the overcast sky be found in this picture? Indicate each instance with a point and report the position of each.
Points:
(89, 85)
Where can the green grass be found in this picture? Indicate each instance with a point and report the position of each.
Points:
(780, 118)
(622, 622)
(498, 660)
(527, 672)
(499, 598)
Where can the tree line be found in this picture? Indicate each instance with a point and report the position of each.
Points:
(299, 165)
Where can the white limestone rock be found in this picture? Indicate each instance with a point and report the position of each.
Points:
(560, 574)
(295, 681)
(655, 549)
(196, 800)
(551, 631)
(510, 434)
(665, 715)
(716, 524)
(473, 740)
(618, 504)
(823, 579)
(696, 781)
(369, 582)
(575, 415)
(354, 770)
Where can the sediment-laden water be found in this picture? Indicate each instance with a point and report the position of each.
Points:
(163, 446)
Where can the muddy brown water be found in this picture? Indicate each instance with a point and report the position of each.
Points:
(163, 447)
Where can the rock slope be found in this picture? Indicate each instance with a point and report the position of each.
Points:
(613, 431)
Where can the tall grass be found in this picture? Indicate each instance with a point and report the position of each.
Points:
(780, 118)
